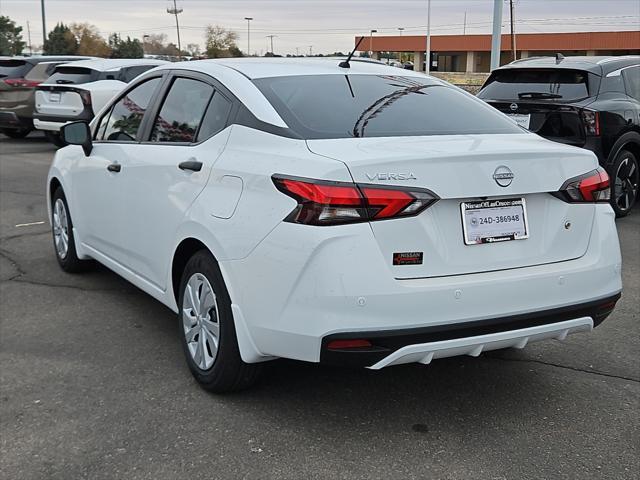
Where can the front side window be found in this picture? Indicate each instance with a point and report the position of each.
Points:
(343, 106)
(123, 121)
(182, 111)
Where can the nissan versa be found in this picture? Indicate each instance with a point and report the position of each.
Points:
(346, 213)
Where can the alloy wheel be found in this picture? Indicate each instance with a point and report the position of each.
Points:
(626, 184)
(200, 321)
(60, 228)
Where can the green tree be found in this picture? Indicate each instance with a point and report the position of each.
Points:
(125, 48)
(220, 42)
(61, 41)
(10, 37)
(90, 42)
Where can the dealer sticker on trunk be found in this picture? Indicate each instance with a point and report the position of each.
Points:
(491, 221)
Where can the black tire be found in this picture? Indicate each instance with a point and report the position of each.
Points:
(625, 178)
(11, 133)
(228, 372)
(68, 261)
(54, 138)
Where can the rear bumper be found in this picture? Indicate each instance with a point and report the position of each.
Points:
(293, 297)
(10, 119)
(467, 338)
(55, 123)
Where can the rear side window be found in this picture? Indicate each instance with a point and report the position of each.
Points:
(539, 84)
(215, 119)
(14, 68)
(343, 106)
(123, 121)
(182, 111)
(73, 75)
(632, 81)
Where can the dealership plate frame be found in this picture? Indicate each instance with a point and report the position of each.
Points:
(485, 240)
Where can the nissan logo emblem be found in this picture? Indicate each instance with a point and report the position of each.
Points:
(513, 107)
(503, 176)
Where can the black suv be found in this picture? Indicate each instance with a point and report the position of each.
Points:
(589, 102)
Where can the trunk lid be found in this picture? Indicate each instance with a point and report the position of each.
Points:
(460, 168)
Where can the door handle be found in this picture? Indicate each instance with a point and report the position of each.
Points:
(114, 167)
(190, 165)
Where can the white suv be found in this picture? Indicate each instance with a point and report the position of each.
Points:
(76, 91)
(362, 216)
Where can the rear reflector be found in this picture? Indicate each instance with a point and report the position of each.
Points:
(346, 344)
(323, 202)
(588, 188)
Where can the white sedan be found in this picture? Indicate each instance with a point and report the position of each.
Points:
(345, 214)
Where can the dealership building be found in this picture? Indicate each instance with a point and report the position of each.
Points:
(472, 53)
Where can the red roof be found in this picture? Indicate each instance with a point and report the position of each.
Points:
(626, 40)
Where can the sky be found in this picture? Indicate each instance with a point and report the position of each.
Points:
(324, 26)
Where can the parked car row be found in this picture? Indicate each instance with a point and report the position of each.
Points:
(46, 92)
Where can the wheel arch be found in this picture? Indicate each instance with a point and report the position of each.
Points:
(186, 248)
(628, 141)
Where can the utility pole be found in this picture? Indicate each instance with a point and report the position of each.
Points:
(44, 25)
(29, 36)
(248, 19)
(175, 11)
(513, 33)
(496, 35)
(464, 25)
(428, 59)
(270, 37)
(371, 42)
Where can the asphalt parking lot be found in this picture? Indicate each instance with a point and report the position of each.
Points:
(93, 385)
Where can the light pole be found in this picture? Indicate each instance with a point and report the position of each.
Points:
(248, 19)
(44, 25)
(400, 29)
(371, 42)
(175, 11)
(496, 34)
(145, 37)
(428, 59)
(310, 50)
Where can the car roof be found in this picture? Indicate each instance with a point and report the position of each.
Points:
(594, 64)
(264, 67)
(106, 64)
(47, 58)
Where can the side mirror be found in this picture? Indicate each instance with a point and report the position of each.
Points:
(78, 133)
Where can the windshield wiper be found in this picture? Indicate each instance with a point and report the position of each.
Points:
(538, 95)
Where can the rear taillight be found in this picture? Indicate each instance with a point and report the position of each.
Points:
(323, 202)
(20, 82)
(85, 96)
(591, 122)
(588, 188)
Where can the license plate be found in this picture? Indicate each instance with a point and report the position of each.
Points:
(492, 221)
(54, 97)
(521, 119)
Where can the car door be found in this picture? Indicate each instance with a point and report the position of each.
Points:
(171, 168)
(98, 183)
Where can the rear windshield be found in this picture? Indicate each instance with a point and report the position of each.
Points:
(343, 106)
(73, 75)
(552, 84)
(14, 68)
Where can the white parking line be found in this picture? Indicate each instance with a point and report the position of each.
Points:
(29, 224)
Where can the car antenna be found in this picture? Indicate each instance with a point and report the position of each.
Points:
(559, 57)
(345, 63)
